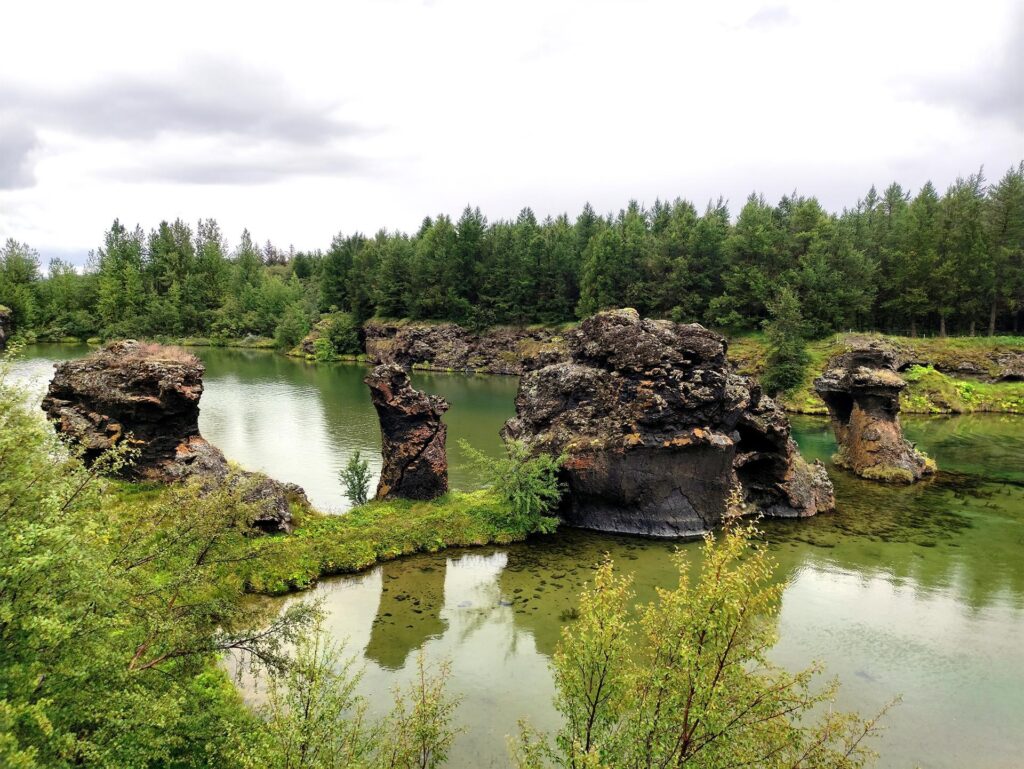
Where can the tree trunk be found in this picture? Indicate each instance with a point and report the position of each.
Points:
(942, 326)
(973, 324)
(913, 327)
(992, 319)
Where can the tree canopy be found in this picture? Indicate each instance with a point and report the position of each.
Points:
(896, 261)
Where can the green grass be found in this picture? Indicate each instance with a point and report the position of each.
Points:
(322, 545)
(932, 392)
(377, 531)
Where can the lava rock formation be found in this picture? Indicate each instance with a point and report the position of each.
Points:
(412, 436)
(861, 389)
(148, 396)
(658, 435)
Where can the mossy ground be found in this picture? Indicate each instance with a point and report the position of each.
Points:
(929, 391)
(322, 545)
(375, 532)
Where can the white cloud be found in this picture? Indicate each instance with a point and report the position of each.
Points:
(304, 119)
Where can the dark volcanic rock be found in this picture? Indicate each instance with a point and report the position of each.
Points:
(6, 317)
(1010, 366)
(412, 436)
(862, 391)
(448, 346)
(657, 432)
(148, 395)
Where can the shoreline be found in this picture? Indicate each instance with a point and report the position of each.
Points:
(956, 375)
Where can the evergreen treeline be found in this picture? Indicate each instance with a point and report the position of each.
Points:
(894, 262)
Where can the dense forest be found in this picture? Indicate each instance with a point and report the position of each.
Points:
(895, 261)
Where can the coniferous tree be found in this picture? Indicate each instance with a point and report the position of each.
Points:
(1003, 271)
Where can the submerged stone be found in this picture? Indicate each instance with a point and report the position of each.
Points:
(658, 433)
(412, 436)
(861, 388)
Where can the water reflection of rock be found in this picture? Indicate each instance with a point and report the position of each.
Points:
(411, 600)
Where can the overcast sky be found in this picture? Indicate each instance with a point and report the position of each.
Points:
(299, 120)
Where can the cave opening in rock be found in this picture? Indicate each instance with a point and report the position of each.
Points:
(841, 406)
(760, 473)
(752, 439)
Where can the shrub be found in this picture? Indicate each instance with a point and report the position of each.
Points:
(343, 334)
(787, 349)
(292, 328)
(315, 720)
(527, 485)
(688, 682)
(322, 349)
(355, 478)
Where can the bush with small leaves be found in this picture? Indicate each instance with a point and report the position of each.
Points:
(355, 478)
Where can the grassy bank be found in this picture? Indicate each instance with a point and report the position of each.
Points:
(323, 545)
(950, 380)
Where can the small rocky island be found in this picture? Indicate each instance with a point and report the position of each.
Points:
(148, 396)
(658, 433)
(412, 436)
(861, 389)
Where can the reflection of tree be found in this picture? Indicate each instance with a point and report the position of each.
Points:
(411, 600)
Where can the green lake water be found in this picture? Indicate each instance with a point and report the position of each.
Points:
(916, 591)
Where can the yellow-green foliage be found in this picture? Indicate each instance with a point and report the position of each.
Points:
(687, 680)
(379, 531)
(932, 392)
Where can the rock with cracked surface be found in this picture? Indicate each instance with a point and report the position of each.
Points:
(861, 388)
(147, 396)
(658, 433)
(412, 436)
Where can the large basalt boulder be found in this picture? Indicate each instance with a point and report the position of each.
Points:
(6, 320)
(658, 434)
(412, 436)
(861, 389)
(148, 396)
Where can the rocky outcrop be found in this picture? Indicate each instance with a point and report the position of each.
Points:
(986, 363)
(861, 388)
(658, 434)
(148, 396)
(6, 318)
(450, 347)
(412, 436)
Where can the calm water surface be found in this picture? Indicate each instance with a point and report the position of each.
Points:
(913, 591)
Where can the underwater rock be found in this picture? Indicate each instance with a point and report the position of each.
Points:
(147, 395)
(861, 388)
(658, 433)
(412, 436)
